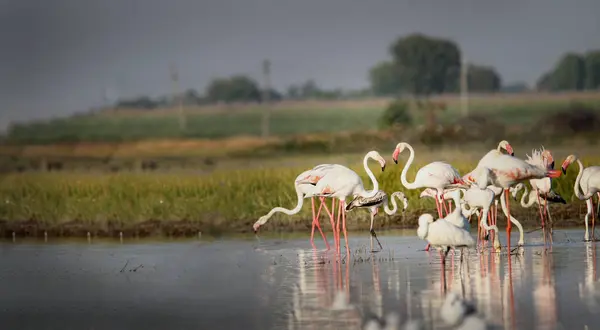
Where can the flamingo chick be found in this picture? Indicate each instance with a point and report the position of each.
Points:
(373, 204)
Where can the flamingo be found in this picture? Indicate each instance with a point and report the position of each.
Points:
(303, 190)
(505, 171)
(341, 182)
(437, 175)
(542, 158)
(459, 314)
(373, 204)
(586, 185)
(443, 235)
(477, 198)
(534, 197)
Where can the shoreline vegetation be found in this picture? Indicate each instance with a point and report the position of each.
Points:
(70, 204)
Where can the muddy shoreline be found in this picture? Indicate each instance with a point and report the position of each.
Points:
(565, 216)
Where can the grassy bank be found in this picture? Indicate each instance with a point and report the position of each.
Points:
(287, 118)
(226, 201)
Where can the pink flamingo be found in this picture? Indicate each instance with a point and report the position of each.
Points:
(586, 186)
(341, 182)
(435, 175)
(304, 189)
(505, 171)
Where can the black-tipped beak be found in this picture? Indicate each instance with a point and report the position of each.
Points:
(512, 153)
(552, 165)
(564, 170)
(382, 168)
(395, 161)
(514, 197)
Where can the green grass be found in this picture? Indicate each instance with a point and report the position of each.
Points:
(286, 119)
(223, 202)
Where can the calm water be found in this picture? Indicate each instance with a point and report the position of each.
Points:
(286, 284)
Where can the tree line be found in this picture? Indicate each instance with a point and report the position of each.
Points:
(419, 65)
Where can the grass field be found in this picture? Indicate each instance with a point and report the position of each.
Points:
(287, 118)
(226, 201)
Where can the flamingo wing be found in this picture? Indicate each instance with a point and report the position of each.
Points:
(444, 233)
(437, 174)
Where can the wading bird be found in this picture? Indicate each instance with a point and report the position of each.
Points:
(443, 235)
(586, 185)
(437, 175)
(542, 158)
(505, 171)
(303, 190)
(482, 199)
(373, 204)
(341, 182)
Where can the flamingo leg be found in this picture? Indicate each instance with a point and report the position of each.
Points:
(312, 231)
(316, 222)
(331, 215)
(337, 226)
(450, 206)
(508, 222)
(479, 231)
(548, 221)
(540, 206)
(593, 219)
(343, 207)
(372, 231)
(438, 206)
(444, 204)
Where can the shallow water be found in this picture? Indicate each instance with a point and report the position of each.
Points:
(263, 283)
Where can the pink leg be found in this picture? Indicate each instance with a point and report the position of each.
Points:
(316, 222)
(331, 214)
(312, 231)
(427, 247)
(438, 207)
(444, 204)
(449, 206)
(343, 204)
(337, 226)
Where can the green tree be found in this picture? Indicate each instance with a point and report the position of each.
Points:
(569, 73)
(483, 79)
(234, 89)
(592, 70)
(385, 79)
(427, 65)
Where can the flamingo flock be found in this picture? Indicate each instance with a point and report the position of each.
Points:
(496, 177)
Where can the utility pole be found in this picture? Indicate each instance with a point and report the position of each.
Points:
(266, 67)
(176, 95)
(464, 87)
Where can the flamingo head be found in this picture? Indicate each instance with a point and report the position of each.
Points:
(258, 223)
(375, 155)
(399, 148)
(506, 146)
(548, 159)
(568, 161)
(402, 197)
(425, 219)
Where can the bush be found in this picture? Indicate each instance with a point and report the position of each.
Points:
(397, 113)
(576, 118)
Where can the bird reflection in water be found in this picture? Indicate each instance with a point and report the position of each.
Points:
(544, 294)
(587, 290)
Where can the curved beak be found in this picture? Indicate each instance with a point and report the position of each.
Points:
(395, 156)
(383, 168)
(564, 170)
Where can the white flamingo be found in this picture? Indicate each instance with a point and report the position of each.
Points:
(542, 158)
(437, 175)
(373, 204)
(443, 235)
(531, 197)
(505, 171)
(586, 185)
(303, 190)
(482, 199)
(341, 182)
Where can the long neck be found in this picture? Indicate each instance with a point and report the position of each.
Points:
(293, 211)
(530, 198)
(394, 209)
(411, 158)
(422, 231)
(456, 198)
(577, 186)
(484, 223)
(367, 193)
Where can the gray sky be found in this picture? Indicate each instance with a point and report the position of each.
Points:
(58, 55)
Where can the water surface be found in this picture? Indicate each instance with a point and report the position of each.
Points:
(274, 283)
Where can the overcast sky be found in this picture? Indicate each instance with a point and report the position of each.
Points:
(58, 56)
